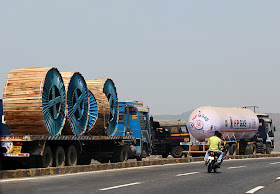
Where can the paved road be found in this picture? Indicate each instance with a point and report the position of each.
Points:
(235, 176)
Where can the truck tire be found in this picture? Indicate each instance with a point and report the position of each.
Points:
(227, 150)
(254, 148)
(46, 160)
(233, 149)
(59, 157)
(122, 154)
(177, 152)
(71, 156)
(248, 150)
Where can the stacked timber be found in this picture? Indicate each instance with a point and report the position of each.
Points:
(34, 101)
(105, 93)
(77, 103)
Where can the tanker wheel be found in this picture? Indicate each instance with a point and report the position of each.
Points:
(177, 152)
(71, 156)
(254, 149)
(227, 148)
(46, 160)
(59, 157)
(233, 149)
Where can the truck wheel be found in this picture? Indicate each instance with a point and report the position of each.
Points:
(177, 152)
(122, 154)
(233, 149)
(46, 160)
(254, 149)
(71, 156)
(268, 149)
(248, 150)
(226, 151)
(59, 157)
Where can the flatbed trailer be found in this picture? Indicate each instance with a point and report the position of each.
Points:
(46, 151)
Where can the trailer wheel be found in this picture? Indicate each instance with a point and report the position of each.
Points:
(46, 160)
(71, 156)
(177, 152)
(254, 149)
(233, 149)
(227, 148)
(59, 157)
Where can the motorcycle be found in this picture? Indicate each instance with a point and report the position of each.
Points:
(212, 161)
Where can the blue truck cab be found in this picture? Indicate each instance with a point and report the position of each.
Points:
(134, 120)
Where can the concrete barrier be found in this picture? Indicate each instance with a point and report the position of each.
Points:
(7, 174)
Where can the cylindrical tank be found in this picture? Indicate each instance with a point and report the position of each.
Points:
(233, 123)
(77, 103)
(34, 101)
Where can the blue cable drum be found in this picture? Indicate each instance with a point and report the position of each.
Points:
(54, 102)
(93, 111)
(105, 93)
(77, 103)
(34, 101)
(111, 93)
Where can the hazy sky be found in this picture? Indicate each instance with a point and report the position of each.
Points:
(173, 55)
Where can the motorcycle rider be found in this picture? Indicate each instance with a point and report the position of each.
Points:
(214, 144)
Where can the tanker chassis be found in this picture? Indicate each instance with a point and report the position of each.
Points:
(244, 132)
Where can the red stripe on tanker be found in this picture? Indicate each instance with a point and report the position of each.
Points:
(233, 123)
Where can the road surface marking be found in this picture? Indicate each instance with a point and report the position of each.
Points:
(17, 179)
(255, 189)
(187, 174)
(275, 163)
(236, 167)
(115, 187)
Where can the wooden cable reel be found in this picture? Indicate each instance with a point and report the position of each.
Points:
(77, 103)
(105, 93)
(34, 101)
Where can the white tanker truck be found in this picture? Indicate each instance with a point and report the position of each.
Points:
(243, 131)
